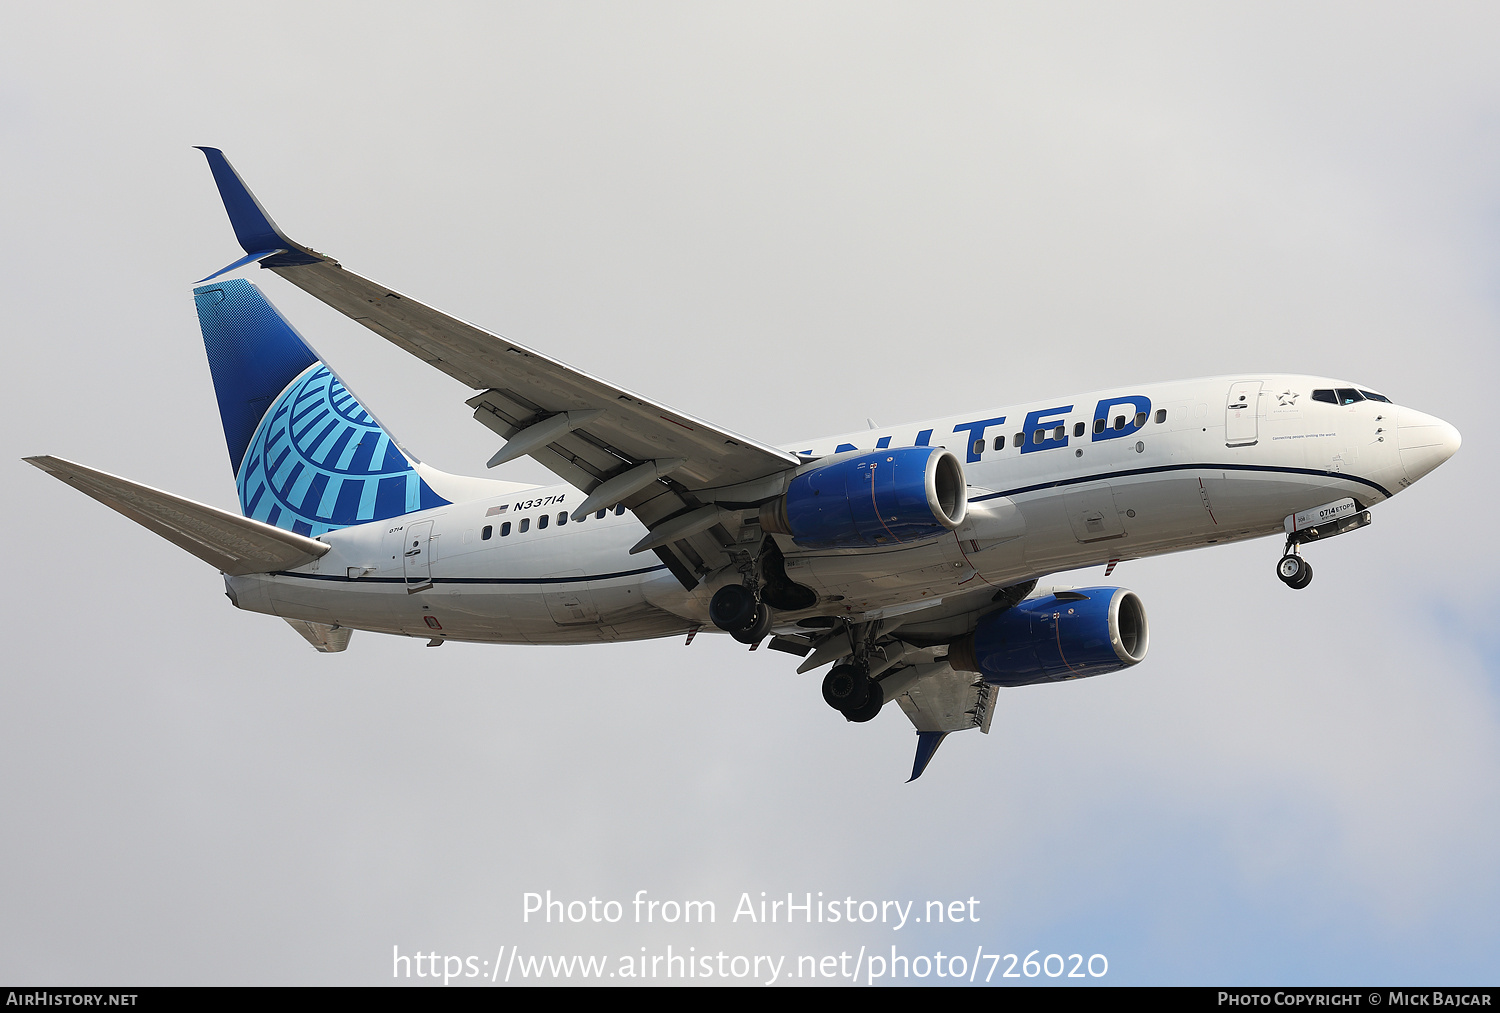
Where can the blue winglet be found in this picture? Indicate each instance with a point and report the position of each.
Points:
(257, 233)
(927, 745)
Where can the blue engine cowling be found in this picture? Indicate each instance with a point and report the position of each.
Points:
(881, 498)
(1065, 635)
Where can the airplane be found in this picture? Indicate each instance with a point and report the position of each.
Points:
(909, 558)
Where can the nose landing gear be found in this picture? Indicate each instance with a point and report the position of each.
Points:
(1325, 521)
(1294, 571)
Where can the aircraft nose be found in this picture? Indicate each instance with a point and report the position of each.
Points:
(1425, 442)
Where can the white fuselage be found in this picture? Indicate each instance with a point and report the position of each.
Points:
(1216, 460)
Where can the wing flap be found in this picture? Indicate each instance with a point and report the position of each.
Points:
(942, 700)
(234, 544)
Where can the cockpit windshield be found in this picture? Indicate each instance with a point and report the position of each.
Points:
(1347, 396)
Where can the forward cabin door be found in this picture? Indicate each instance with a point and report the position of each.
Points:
(1241, 428)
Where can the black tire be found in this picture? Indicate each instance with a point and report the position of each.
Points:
(846, 688)
(732, 607)
(1289, 568)
(758, 628)
(875, 699)
(1303, 579)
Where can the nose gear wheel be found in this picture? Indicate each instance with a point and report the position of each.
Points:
(1294, 571)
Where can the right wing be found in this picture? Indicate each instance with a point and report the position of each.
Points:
(941, 701)
(615, 445)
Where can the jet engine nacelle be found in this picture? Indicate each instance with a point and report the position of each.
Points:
(1064, 635)
(881, 498)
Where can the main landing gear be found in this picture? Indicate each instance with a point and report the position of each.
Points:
(1294, 571)
(734, 610)
(849, 690)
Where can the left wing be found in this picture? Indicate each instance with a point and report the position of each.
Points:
(941, 701)
(236, 545)
(615, 445)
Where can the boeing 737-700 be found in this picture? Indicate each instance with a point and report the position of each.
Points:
(905, 559)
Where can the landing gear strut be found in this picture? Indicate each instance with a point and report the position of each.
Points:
(1294, 571)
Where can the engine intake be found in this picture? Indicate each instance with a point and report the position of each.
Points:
(1066, 635)
(881, 498)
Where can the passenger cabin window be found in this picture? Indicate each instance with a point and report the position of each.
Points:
(1161, 415)
(505, 529)
(978, 447)
(1019, 441)
(600, 515)
(1326, 396)
(525, 525)
(1099, 426)
(489, 529)
(541, 522)
(1348, 395)
(999, 443)
(1078, 428)
(1059, 432)
(1038, 436)
(1140, 419)
(1119, 422)
(620, 510)
(562, 517)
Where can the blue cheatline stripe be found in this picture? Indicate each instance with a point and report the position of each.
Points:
(1105, 476)
(472, 580)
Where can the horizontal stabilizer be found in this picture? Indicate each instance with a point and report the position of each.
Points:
(234, 544)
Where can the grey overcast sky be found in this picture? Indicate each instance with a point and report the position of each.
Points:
(784, 218)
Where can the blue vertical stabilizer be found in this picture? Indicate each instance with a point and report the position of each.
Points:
(306, 456)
